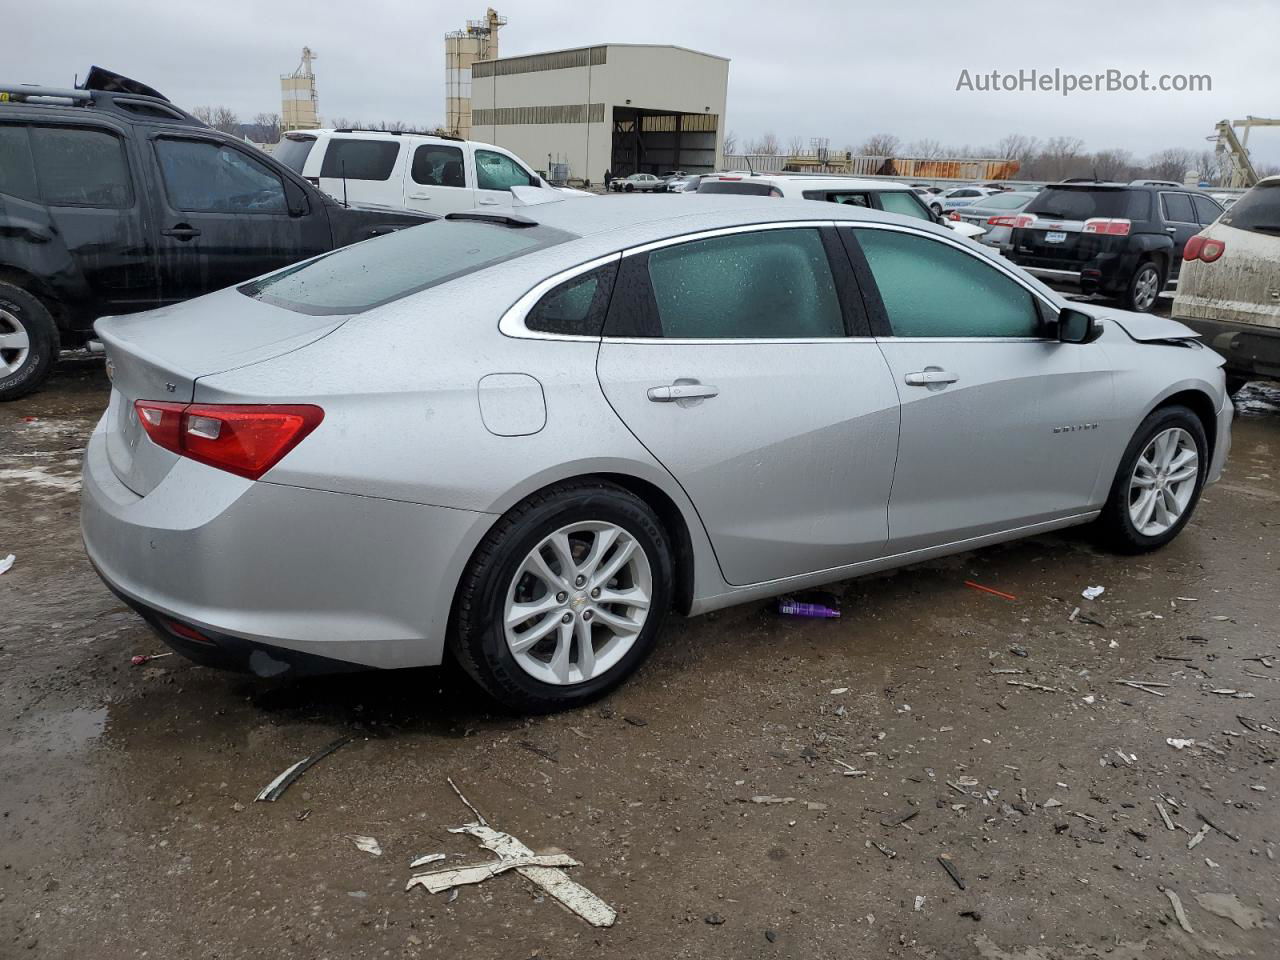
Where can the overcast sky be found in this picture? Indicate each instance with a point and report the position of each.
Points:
(834, 68)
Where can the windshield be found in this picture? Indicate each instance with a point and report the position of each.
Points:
(1257, 211)
(293, 152)
(369, 274)
(1076, 203)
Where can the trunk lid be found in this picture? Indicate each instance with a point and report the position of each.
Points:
(159, 355)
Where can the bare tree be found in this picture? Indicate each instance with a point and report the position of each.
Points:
(225, 119)
(1171, 164)
(1211, 166)
(795, 146)
(1060, 158)
(925, 149)
(880, 145)
(766, 146)
(1114, 164)
(268, 125)
(1016, 146)
(730, 142)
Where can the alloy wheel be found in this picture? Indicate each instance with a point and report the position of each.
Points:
(15, 344)
(1146, 288)
(1163, 481)
(578, 602)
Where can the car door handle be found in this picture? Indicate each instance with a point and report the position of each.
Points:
(181, 231)
(488, 202)
(419, 196)
(933, 375)
(685, 390)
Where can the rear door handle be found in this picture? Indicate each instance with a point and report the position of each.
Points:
(181, 231)
(419, 196)
(683, 390)
(488, 202)
(933, 375)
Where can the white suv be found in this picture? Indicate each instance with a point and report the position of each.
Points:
(410, 171)
(883, 195)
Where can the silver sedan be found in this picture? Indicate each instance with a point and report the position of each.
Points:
(527, 435)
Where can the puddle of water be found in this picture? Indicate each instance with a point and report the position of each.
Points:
(63, 734)
(41, 478)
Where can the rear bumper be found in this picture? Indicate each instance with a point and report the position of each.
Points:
(308, 578)
(1248, 349)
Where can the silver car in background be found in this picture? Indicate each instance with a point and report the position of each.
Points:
(526, 435)
(996, 214)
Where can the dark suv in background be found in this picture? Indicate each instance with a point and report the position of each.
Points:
(1123, 240)
(113, 200)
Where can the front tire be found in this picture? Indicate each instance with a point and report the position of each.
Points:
(1144, 288)
(1158, 483)
(28, 342)
(564, 598)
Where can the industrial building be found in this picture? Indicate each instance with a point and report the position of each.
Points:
(625, 108)
(478, 40)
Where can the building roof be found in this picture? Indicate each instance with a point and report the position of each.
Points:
(655, 46)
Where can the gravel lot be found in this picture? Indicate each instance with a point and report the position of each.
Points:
(128, 826)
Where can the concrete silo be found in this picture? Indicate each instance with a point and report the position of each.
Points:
(299, 107)
(477, 41)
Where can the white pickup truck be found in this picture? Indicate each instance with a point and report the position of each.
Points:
(410, 171)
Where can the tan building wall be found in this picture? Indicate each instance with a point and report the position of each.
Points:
(563, 103)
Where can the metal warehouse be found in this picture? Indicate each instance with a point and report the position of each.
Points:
(626, 108)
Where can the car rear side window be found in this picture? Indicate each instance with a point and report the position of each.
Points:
(1177, 207)
(1206, 210)
(436, 166)
(205, 177)
(366, 275)
(576, 307)
(931, 289)
(742, 187)
(838, 196)
(359, 159)
(81, 168)
(770, 284)
(1257, 211)
(17, 171)
(1074, 203)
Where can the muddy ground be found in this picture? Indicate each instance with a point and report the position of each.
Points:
(128, 826)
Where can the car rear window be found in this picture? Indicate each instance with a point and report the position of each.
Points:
(359, 159)
(293, 152)
(742, 187)
(1076, 203)
(1005, 201)
(1257, 211)
(369, 274)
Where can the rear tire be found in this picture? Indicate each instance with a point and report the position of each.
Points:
(1144, 288)
(536, 663)
(28, 342)
(1148, 470)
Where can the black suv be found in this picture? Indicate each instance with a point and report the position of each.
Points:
(113, 200)
(1119, 239)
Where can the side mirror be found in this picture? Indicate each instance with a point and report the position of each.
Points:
(1075, 326)
(296, 198)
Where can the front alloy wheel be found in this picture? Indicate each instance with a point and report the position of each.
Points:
(578, 602)
(1163, 481)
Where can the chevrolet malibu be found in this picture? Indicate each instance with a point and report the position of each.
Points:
(524, 436)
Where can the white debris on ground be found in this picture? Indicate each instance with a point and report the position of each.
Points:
(367, 844)
(1093, 593)
(7, 563)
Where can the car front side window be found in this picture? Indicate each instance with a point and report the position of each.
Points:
(931, 288)
(497, 171)
(204, 177)
(767, 284)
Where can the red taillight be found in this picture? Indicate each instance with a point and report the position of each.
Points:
(244, 439)
(728, 178)
(1203, 248)
(954, 216)
(1212, 249)
(1002, 221)
(1023, 220)
(1111, 227)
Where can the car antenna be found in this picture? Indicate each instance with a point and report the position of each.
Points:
(750, 169)
(343, 161)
